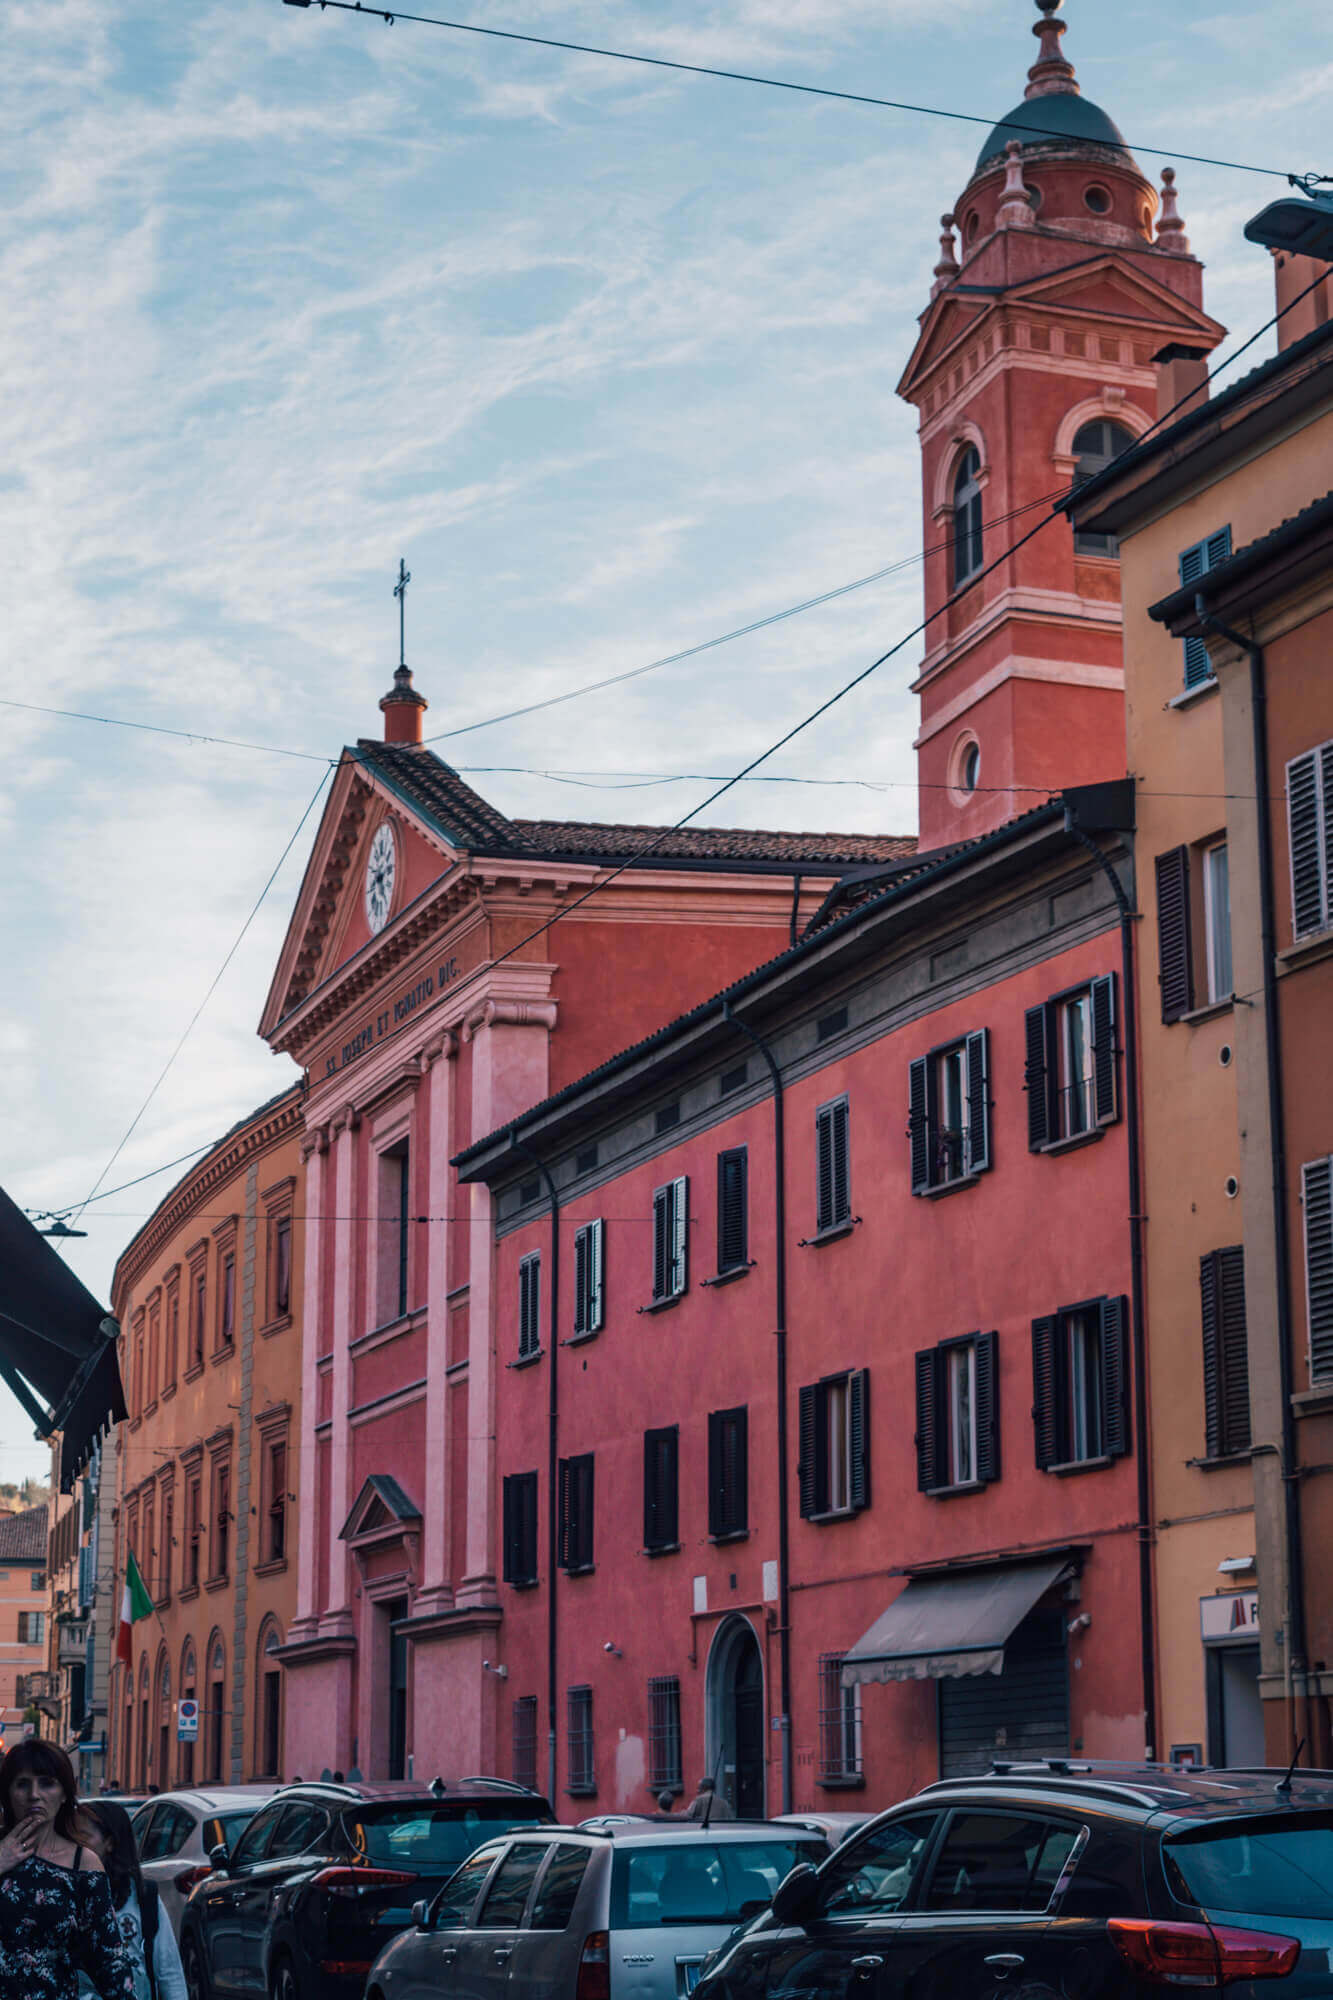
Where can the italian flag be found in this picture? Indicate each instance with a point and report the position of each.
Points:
(135, 1603)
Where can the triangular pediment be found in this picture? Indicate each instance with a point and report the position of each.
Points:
(380, 1505)
(948, 321)
(1112, 288)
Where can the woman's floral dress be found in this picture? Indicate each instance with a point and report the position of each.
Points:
(54, 1923)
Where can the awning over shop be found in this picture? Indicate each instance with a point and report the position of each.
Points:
(57, 1344)
(944, 1627)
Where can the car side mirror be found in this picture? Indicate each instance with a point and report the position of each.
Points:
(219, 1858)
(421, 1914)
(796, 1895)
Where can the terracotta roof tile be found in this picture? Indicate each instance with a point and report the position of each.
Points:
(23, 1537)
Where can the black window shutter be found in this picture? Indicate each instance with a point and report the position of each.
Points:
(1115, 1376)
(1309, 856)
(715, 1456)
(661, 1242)
(1104, 1049)
(652, 1506)
(842, 1196)
(582, 1288)
(738, 1469)
(1211, 1310)
(1317, 1193)
(929, 1472)
(564, 1525)
(1045, 1406)
(727, 1472)
(988, 1406)
(510, 1530)
(660, 1488)
(978, 1101)
(1036, 1076)
(732, 1233)
(918, 1124)
(1226, 1366)
(1174, 950)
(858, 1396)
(807, 1470)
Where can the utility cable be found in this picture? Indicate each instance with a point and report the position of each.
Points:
(768, 82)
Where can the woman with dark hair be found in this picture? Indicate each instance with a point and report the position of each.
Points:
(148, 1938)
(56, 1917)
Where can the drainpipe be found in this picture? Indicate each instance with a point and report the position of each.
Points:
(1277, 1126)
(780, 1335)
(1147, 1609)
(520, 1145)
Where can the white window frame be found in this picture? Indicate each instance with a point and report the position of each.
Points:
(1067, 1081)
(838, 1443)
(1217, 923)
(1082, 1335)
(589, 1298)
(961, 1374)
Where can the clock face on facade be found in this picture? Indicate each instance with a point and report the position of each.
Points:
(381, 868)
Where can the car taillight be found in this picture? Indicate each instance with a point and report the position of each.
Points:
(341, 1881)
(190, 1878)
(1201, 1954)
(594, 1981)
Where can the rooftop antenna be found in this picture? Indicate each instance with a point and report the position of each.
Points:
(1283, 1786)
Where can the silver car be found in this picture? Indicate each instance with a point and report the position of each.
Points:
(175, 1831)
(626, 1913)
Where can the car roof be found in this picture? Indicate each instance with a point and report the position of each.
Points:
(673, 1828)
(409, 1791)
(215, 1798)
(1189, 1795)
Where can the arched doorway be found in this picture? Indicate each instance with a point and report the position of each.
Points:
(185, 1752)
(735, 1695)
(162, 1769)
(268, 1701)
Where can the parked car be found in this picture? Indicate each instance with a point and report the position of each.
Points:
(1055, 1880)
(325, 1873)
(177, 1831)
(628, 1912)
(835, 1826)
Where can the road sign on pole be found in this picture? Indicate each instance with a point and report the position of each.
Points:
(187, 1722)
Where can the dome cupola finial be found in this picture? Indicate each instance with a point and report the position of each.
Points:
(1051, 72)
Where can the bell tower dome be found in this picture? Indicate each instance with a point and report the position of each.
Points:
(1057, 290)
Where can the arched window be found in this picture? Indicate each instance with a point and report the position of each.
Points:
(268, 1701)
(967, 516)
(189, 1692)
(1094, 447)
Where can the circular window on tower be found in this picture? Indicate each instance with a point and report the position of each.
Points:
(1034, 195)
(971, 226)
(1097, 199)
(964, 768)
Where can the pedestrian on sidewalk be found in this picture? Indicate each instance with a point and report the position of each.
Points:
(145, 1931)
(708, 1803)
(56, 1915)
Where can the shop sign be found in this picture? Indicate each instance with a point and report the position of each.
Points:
(1233, 1616)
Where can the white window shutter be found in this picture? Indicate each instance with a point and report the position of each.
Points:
(596, 1273)
(680, 1224)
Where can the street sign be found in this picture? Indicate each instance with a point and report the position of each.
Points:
(187, 1722)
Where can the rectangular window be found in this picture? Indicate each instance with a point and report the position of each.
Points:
(839, 1725)
(154, 1351)
(1080, 1373)
(282, 1267)
(948, 1113)
(671, 1237)
(664, 1758)
(162, 1590)
(227, 1314)
(957, 1414)
(1217, 921)
(1175, 952)
(1071, 1064)
(171, 1358)
(148, 1566)
(833, 1192)
(1226, 1363)
(1310, 837)
(529, 1306)
(393, 1233)
(834, 1467)
(576, 1513)
(589, 1278)
(221, 1546)
(198, 1313)
(733, 1079)
(1317, 1201)
(661, 1490)
(582, 1762)
(194, 1533)
(275, 1538)
(32, 1628)
(728, 1473)
(524, 1765)
(733, 1234)
(1194, 563)
(520, 1529)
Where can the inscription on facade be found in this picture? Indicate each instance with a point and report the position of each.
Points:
(393, 1016)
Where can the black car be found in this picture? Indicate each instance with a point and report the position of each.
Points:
(1059, 1882)
(325, 1874)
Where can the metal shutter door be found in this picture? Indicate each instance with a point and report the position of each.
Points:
(1020, 1714)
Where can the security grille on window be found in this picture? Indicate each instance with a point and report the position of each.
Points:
(958, 1414)
(1310, 831)
(839, 1725)
(1080, 1380)
(582, 1763)
(949, 1113)
(1317, 1200)
(1226, 1364)
(661, 1496)
(524, 1764)
(833, 1190)
(589, 1277)
(733, 1235)
(529, 1306)
(728, 1473)
(671, 1235)
(834, 1468)
(1194, 563)
(664, 1758)
(1071, 1068)
(520, 1529)
(967, 539)
(575, 1519)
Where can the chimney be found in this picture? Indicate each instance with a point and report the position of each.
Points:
(1292, 274)
(402, 708)
(1182, 378)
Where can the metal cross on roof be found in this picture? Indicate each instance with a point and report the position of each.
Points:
(400, 592)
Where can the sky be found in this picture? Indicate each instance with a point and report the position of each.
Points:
(607, 354)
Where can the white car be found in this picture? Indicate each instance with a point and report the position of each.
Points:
(175, 1832)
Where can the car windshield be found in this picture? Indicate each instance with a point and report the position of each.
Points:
(701, 1881)
(435, 1838)
(1269, 1868)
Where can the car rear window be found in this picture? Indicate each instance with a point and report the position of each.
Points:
(436, 1838)
(1269, 1868)
(230, 1826)
(701, 1881)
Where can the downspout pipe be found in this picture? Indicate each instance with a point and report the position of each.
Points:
(1277, 1126)
(780, 1337)
(520, 1145)
(1134, 1149)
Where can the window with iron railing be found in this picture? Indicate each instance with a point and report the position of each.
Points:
(582, 1764)
(664, 1756)
(839, 1725)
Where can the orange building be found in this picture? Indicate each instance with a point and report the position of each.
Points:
(208, 1296)
(23, 1616)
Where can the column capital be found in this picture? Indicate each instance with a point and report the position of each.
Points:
(345, 1119)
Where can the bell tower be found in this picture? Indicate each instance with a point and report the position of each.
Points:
(1065, 303)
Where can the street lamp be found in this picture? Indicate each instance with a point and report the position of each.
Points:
(1301, 224)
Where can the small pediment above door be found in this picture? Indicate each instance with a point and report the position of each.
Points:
(381, 1509)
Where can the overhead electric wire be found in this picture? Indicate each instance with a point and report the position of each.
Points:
(767, 82)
